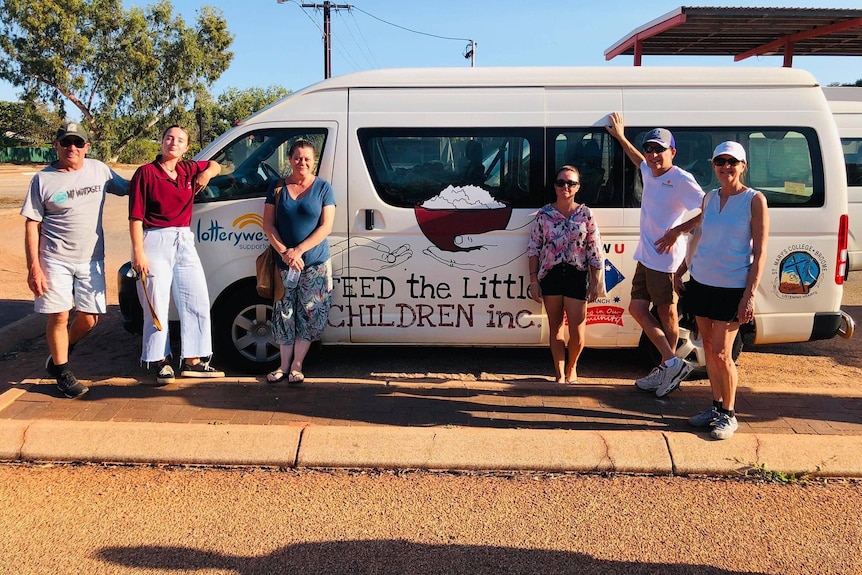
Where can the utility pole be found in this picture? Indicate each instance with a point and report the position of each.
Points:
(327, 7)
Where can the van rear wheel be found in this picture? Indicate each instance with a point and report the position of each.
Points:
(242, 329)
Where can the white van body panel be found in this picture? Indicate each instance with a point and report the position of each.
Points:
(395, 285)
(846, 105)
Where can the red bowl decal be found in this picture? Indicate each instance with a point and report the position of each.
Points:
(443, 226)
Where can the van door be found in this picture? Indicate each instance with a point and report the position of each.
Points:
(444, 186)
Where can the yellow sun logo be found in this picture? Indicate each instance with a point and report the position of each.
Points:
(247, 220)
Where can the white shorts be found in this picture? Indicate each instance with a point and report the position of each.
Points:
(81, 286)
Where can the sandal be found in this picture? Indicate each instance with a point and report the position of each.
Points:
(295, 377)
(276, 376)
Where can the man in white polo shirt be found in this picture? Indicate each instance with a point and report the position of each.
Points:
(65, 247)
(668, 193)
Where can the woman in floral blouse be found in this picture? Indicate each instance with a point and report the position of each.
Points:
(566, 264)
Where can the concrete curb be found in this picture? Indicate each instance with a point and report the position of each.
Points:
(433, 448)
(28, 327)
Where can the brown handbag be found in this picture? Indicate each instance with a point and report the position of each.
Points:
(269, 284)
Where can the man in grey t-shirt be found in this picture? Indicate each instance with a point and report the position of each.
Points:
(65, 247)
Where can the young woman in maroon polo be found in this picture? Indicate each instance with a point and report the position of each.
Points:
(161, 196)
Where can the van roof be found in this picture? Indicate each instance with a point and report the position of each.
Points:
(568, 76)
(844, 99)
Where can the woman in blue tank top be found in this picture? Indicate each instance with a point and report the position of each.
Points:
(725, 273)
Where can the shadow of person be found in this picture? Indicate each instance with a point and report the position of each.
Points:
(390, 556)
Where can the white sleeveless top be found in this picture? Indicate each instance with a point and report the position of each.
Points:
(724, 251)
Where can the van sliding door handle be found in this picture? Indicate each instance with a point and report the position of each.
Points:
(369, 220)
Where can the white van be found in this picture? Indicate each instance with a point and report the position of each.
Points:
(846, 104)
(438, 174)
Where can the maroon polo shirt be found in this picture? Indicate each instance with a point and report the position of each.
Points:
(160, 202)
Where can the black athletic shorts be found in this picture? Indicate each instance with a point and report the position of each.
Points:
(565, 280)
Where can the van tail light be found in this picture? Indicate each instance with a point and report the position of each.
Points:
(841, 259)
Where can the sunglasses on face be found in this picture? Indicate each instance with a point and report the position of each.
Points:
(66, 142)
(721, 161)
(566, 183)
(654, 149)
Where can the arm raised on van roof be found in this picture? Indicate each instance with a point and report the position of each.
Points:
(617, 130)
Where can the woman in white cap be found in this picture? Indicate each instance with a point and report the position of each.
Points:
(725, 273)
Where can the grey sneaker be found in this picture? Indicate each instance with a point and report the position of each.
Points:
(706, 418)
(725, 426)
(165, 375)
(651, 381)
(50, 367)
(70, 386)
(672, 377)
(202, 369)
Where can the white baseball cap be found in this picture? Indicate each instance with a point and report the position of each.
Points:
(733, 149)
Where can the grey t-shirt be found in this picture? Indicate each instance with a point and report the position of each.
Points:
(69, 205)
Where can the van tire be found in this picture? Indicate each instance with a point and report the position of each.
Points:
(242, 329)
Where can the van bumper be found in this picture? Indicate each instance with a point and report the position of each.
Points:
(828, 325)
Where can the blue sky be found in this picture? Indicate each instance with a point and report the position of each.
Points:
(281, 44)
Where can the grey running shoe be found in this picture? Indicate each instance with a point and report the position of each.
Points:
(651, 381)
(706, 418)
(165, 375)
(672, 377)
(202, 369)
(70, 386)
(725, 426)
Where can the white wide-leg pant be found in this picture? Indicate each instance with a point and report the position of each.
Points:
(175, 271)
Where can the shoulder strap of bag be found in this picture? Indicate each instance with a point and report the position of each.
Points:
(279, 186)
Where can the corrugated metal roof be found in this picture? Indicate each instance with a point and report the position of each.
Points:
(745, 32)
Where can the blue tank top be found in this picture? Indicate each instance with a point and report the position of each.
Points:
(724, 252)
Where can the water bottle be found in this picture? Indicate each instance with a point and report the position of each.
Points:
(292, 278)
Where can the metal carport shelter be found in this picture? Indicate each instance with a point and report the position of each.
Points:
(746, 32)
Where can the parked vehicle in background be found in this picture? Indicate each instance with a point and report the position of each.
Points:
(438, 174)
(846, 104)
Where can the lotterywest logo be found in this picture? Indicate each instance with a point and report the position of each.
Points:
(236, 235)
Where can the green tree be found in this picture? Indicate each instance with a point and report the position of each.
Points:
(27, 122)
(235, 105)
(123, 70)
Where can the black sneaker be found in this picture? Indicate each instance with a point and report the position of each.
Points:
(70, 386)
(165, 375)
(202, 369)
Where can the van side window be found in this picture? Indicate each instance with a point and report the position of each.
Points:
(411, 165)
(783, 163)
(591, 151)
(853, 160)
(254, 160)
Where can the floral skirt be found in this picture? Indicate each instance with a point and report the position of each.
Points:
(303, 312)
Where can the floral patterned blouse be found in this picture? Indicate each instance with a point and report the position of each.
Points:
(556, 239)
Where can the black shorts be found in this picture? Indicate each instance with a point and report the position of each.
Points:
(565, 280)
(715, 303)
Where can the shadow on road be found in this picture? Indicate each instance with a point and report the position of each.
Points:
(392, 556)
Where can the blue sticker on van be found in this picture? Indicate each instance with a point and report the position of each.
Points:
(799, 272)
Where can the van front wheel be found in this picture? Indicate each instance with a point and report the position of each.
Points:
(242, 329)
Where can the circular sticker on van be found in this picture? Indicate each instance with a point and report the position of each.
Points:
(798, 273)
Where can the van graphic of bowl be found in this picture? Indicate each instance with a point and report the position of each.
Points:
(442, 226)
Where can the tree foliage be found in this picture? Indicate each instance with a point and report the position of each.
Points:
(124, 70)
(27, 123)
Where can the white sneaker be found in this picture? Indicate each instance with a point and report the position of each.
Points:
(673, 376)
(706, 418)
(165, 375)
(725, 427)
(651, 381)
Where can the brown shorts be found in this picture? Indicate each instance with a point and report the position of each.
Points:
(653, 286)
